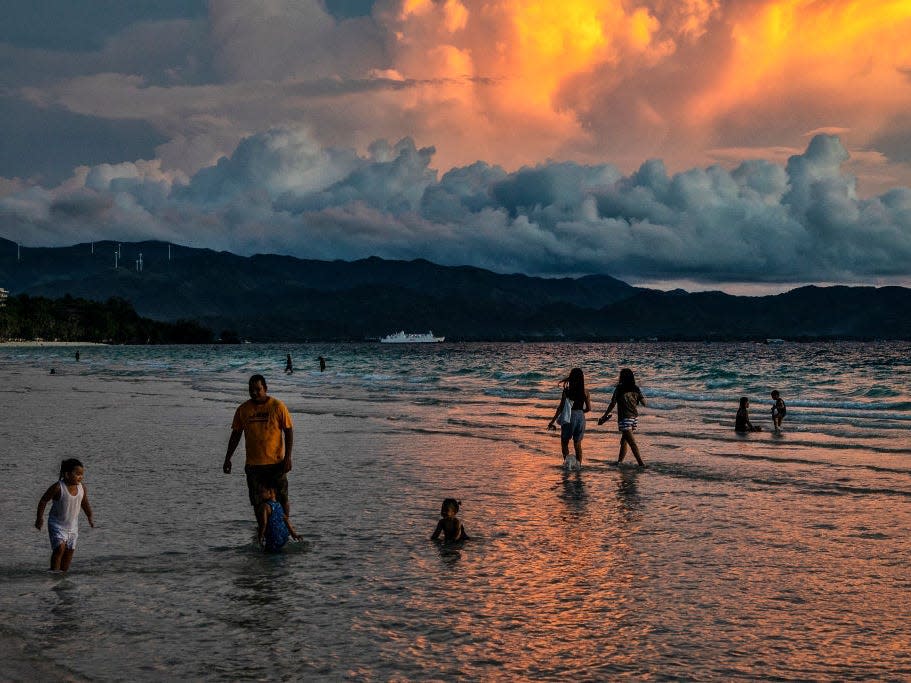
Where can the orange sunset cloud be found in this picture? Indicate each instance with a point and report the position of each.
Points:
(662, 139)
(854, 52)
(588, 79)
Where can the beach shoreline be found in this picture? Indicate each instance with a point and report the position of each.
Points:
(37, 344)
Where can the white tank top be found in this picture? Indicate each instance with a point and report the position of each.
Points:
(65, 511)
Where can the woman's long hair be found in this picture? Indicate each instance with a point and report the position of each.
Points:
(627, 381)
(575, 385)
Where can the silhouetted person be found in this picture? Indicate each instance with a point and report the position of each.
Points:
(742, 422)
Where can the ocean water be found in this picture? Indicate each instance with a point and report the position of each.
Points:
(756, 557)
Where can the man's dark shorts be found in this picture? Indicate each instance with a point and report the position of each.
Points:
(270, 475)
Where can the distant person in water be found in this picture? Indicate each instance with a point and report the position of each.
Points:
(67, 497)
(322, 363)
(274, 525)
(450, 525)
(742, 423)
(626, 398)
(289, 366)
(578, 396)
(265, 424)
(77, 356)
(779, 410)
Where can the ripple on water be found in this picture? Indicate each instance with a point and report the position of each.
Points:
(728, 558)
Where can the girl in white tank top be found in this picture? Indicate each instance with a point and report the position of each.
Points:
(67, 497)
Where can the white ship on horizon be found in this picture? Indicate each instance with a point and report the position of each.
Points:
(411, 338)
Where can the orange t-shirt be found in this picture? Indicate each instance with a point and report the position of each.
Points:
(262, 425)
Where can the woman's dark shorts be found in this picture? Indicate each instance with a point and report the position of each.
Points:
(268, 475)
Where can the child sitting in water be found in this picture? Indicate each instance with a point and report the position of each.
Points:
(68, 496)
(450, 525)
(274, 525)
(779, 409)
(742, 422)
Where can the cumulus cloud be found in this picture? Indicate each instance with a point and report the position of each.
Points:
(280, 40)
(280, 191)
(508, 82)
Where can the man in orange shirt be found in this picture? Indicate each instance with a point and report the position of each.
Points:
(268, 436)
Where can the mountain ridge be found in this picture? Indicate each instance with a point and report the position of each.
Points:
(271, 297)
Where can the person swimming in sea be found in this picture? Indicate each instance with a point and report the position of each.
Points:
(450, 525)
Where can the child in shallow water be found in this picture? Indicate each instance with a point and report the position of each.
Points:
(779, 409)
(67, 497)
(450, 525)
(274, 525)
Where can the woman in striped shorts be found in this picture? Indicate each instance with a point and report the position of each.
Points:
(626, 398)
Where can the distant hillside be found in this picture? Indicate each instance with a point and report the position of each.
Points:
(79, 320)
(803, 313)
(281, 298)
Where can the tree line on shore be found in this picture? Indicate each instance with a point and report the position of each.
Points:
(71, 319)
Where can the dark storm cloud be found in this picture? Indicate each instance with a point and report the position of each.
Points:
(43, 138)
(64, 25)
(561, 185)
(89, 207)
(170, 52)
(281, 191)
(895, 141)
(346, 9)
(50, 143)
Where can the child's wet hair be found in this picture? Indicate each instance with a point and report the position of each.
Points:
(775, 394)
(743, 401)
(68, 465)
(449, 503)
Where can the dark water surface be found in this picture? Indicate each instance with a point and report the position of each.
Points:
(757, 557)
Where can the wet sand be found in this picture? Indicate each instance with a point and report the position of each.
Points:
(21, 663)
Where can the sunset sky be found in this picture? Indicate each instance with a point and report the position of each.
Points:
(744, 145)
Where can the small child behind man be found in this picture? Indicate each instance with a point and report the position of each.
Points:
(779, 410)
(274, 525)
(450, 525)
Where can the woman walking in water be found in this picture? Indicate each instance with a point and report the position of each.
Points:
(626, 397)
(574, 391)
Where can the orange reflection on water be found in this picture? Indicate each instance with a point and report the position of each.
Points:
(559, 562)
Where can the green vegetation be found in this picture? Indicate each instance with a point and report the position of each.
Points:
(81, 320)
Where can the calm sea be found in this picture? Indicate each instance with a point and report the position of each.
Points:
(758, 557)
